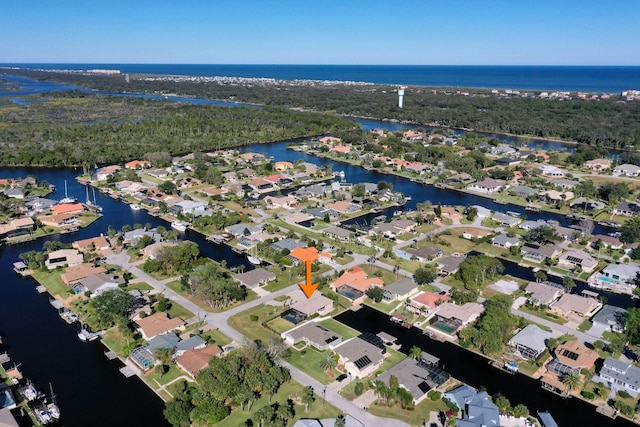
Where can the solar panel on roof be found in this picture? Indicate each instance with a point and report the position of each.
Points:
(362, 362)
(570, 354)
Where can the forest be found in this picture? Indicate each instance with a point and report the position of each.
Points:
(612, 122)
(76, 128)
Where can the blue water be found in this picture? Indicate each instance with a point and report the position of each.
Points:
(567, 78)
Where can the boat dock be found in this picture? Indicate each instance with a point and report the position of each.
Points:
(4, 357)
(111, 354)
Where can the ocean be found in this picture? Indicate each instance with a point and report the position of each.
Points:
(611, 79)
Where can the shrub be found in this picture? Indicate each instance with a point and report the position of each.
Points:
(435, 396)
(359, 388)
(254, 318)
(623, 394)
(587, 394)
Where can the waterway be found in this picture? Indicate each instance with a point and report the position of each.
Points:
(91, 391)
(474, 370)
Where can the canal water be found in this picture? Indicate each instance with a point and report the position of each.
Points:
(91, 391)
(474, 370)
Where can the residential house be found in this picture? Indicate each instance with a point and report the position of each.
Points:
(598, 165)
(300, 218)
(344, 207)
(354, 283)
(476, 407)
(194, 360)
(132, 237)
(39, 204)
(504, 241)
(399, 290)
(530, 342)
(104, 173)
(506, 220)
(461, 178)
(503, 150)
(569, 304)
(475, 233)
(137, 164)
(413, 135)
(555, 197)
(449, 317)
(530, 225)
(617, 277)
(627, 209)
(619, 375)
(487, 186)
(449, 265)
(577, 258)
(426, 302)
(426, 253)
(610, 318)
(94, 244)
(565, 184)
(572, 357)
(14, 193)
(314, 334)
(154, 250)
(80, 272)
(63, 258)
(285, 202)
(253, 278)
(523, 191)
(97, 284)
(359, 357)
(288, 244)
(552, 171)
(338, 233)
(415, 376)
(17, 227)
(606, 241)
(316, 304)
(538, 253)
(188, 207)
(158, 323)
(68, 208)
(543, 293)
(239, 230)
(627, 170)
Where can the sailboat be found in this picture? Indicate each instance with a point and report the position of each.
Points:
(52, 407)
(67, 199)
(92, 204)
(253, 257)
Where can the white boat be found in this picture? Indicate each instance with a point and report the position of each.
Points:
(44, 416)
(66, 198)
(92, 203)
(341, 174)
(86, 335)
(254, 260)
(179, 225)
(135, 206)
(54, 410)
(30, 393)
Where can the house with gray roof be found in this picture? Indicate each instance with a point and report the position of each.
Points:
(619, 375)
(523, 191)
(626, 170)
(530, 341)
(610, 318)
(320, 212)
(450, 264)
(255, 277)
(506, 220)
(39, 204)
(313, 334)
(359, 357)
(287, 243)
(627, 209)
(530, 225)
(97, 284)
(426, 253)
(132, 237)
(476, 407)
(337, 232)
(399, 290)
(616, 277)
(239, 230)
(504, 241)
(415, 376)
(543, 293)
(565, 184)
(538, 253)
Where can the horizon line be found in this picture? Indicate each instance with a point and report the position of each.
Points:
(318, 65)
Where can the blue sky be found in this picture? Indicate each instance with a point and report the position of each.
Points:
(447, 32)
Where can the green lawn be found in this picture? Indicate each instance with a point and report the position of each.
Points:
(113, 339)
(217, 337)
(348, 391)
(415, 417)
(343, 260)
(381, 306)
(309, 360)
(141, 286)
(585, 326)
(387, 276)
(253, 329)
(177, 287)
(340, 328)
(176, 310)
(393, 358)
(544, 314)
(290, 390)
(52, 281)
(280, 325)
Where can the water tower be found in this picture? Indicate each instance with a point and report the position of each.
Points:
(400, 97)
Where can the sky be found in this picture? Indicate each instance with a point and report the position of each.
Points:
(400, 32)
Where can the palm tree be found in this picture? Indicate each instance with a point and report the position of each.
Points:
(572, 380)
(415, 353)
(329, 362)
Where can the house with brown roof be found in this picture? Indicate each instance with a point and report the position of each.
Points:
(16, 227)
(79, 272)
(354, 283)
(449, 317)
(68, 208)
(341, 149)
(344, 207)
(426, 302)
(194, 360)
(543, 293)
(60, 220)
(487, 186)
(317, 304)
(137, 164)
(99, 243)
(577, 258)
(598, 165)
(475, 233)
(572, 356)
(570, 304)
(158, 323)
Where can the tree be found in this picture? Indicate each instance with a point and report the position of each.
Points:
(209, 411)
(630, 230)
(572, 380)
(540, 276)
(425, 274)
(520, 410)
(415, 353)
(503, 404)
(375, 293)
(113, 304)
(177, 412)
(307, 397)
(568, 283)
(543, 234)
(329, 362)
(340, 421)
(164, 355)
(631, 321)
(167, 187)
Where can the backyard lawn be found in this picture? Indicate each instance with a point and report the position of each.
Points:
(340, 328)
(421, 412)
(309, 360)
(52, 281)
(253, 328)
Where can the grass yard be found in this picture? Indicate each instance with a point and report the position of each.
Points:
(340, 328)
(52, 281)
(393, 358)
(176, 310)
(216, 337)
(113, 339)
(421, 412)
(309, 360)
(290, 390)
(177, 287)
(141, 286)
(253, 329)
(544, 315)
(348, 391)
(381, 306)
(343, 260)
(387, 276)
(280, 325)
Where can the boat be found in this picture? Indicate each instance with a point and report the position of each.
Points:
(179, 225)
(29, 392)
(91, 204)
(86, 335)
(610, 224)
(66, 198)
(253, 258)
(135, 206)
(53, 406)
(513, 214)
(341, 174)
(43, 416)
(407, 198)
(500, 202)
(532, 208)
(511, 367)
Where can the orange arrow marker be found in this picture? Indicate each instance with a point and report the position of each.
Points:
(308, 288)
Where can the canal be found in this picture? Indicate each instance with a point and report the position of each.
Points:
(474, 370)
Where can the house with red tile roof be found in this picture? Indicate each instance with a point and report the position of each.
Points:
(158, 323)
(137, 164)
(330, 140)
(342, 149)
(98, 243)
(66, 208)
(194, 360)
(426, 302)
(79, 272)
(357, 279)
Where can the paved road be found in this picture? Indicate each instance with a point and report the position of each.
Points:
(220, 321)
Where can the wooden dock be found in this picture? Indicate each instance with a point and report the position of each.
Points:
(127, 371)
(4, 357)
(607, 410)
(111, 354)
